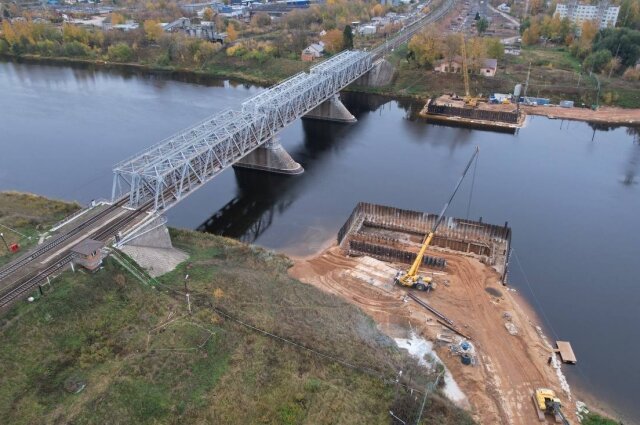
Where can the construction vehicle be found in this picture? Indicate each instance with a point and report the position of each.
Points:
(546, 403)
(468, 100)
(411, 278)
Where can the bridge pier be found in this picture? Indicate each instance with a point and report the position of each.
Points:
(271, 157)
(331, 110)
(380, 75)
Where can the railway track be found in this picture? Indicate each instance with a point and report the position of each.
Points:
(27, 284)
(43, 249)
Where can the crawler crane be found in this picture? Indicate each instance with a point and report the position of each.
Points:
(411, 278)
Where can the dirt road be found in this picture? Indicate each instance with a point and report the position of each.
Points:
(509, 367)
(604, 115)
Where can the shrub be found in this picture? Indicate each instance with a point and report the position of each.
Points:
(120, 52)
(75, 49)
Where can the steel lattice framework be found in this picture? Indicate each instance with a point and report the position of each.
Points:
(170, 170)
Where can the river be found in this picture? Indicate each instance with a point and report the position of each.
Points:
(569, 191)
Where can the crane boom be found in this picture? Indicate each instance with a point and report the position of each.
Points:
(411, 278)
(465, 70)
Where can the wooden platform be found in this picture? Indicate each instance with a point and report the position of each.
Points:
(566, 352)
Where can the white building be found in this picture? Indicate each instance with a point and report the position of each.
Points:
(603, 13)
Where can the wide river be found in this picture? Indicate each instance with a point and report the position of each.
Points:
(569, 191)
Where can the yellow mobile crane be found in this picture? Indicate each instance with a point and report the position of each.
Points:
(468, 100)
(411, 278)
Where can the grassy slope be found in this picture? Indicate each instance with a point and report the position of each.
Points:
(29, 215)
(102, 330)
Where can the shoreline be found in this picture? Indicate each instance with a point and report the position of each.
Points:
(613, 116)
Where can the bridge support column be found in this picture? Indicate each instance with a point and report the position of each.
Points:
(331, 110)
(271, 157)
(380, 75)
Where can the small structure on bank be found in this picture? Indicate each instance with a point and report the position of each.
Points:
(313, 51)
(488, 67)
(88, 254)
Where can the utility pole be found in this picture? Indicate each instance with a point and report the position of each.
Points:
(526, 84)
(430, 387)
(5, 242)
(187, 292)
(598, 95)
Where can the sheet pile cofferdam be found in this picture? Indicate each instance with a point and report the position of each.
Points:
(393, 234)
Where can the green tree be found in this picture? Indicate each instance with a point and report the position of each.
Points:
(494, 47)
(347, 37)
(482, 25)
(597, 61)
(621, 42)
(120, 52)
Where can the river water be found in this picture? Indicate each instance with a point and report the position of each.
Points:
(569, 191)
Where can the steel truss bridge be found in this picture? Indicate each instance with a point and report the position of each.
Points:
(170, 170)
(177, 166)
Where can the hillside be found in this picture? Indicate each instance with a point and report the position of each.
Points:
(107, 348)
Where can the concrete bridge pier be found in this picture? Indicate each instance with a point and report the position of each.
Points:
(271, 157)
(380, 75)
(331, 109)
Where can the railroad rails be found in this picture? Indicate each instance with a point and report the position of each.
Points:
(25, 285)
(44, 248)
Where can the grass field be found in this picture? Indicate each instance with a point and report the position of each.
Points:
(105, 348)
(29, 215)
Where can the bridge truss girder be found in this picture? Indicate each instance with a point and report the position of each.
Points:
(168, 171)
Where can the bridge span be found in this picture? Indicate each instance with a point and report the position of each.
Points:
(169, 171)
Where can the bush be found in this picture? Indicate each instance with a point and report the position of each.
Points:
(596, 61)
(75, 49)
(631, 74)
(120, 52)
(237, 50)
(4, 47)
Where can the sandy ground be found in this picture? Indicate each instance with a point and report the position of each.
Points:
(604, 115)
(508, 367)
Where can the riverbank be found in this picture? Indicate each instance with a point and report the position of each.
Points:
(250, 336)
(405, 85)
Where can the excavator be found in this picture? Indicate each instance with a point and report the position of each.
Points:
(546, 402)
(411, 278)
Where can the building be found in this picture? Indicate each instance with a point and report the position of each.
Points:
(604, 14)
(205, 29)
(88, 254)
(488, 67)
(313, 52)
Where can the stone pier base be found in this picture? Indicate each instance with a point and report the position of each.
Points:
(331, 110)
(271, 157)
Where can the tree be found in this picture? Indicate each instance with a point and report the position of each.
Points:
(260, 20)
(117, 18)
(152, 30)
(120, 52)
(629, 15)
(621, 42)
(494, 48)
(531, 35)
(208, 14)
(333, 41)
(426, 47)
(232, 34)
(482, 25)
(597, 61)
(347, 37)
(476, 51)
(378, 10)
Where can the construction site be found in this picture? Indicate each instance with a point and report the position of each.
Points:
(440, 283)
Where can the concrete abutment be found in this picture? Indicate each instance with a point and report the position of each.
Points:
(331, 109)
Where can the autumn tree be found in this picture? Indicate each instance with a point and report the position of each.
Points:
(333, 41)
(208, 14)
(232, 34)
(426, 47)
(260, 20)
(378, 10)
(152, 30)
(117, 18)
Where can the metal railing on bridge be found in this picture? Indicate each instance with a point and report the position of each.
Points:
(177, 166)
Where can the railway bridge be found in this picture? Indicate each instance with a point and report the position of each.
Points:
(172, 169)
